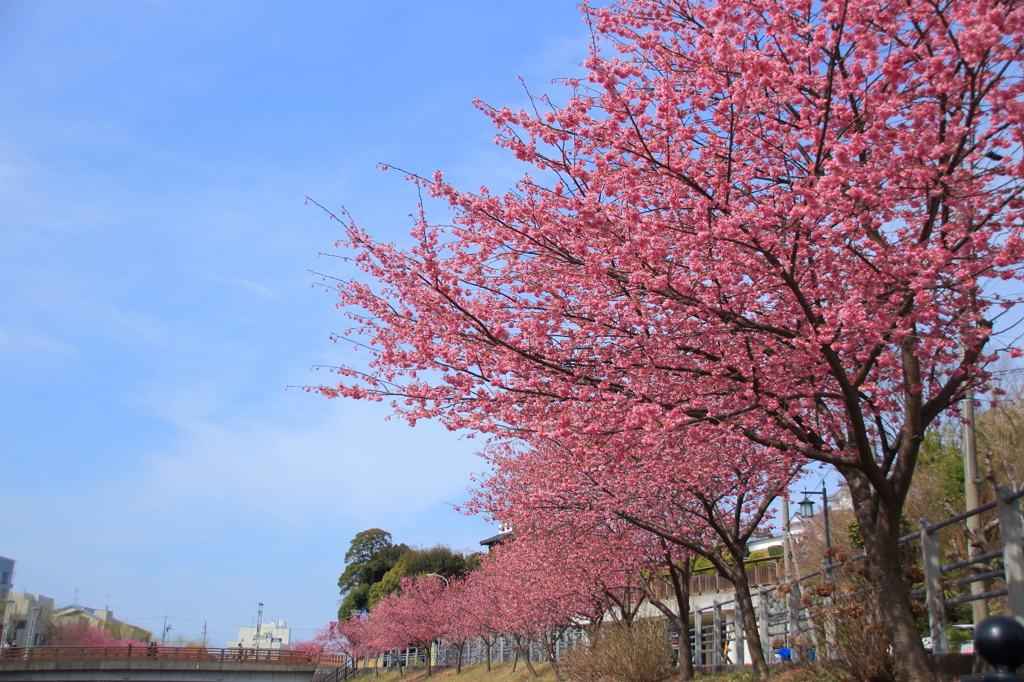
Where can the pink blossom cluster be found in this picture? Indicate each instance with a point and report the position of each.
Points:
(79, 632)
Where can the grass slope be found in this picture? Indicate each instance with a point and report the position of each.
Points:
(500, 672)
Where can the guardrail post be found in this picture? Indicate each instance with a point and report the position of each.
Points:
(762, 625)
(698, 638)
(793, 621)
(1013, 551)
(716, 616)
(828, 604)
(930, 557)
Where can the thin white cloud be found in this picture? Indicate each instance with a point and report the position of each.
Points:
(15, 340)
(232, 281)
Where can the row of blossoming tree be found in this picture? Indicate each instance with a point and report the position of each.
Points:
(582, 563)
(521, 598)
(761, 234)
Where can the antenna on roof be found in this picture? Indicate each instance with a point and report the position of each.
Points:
(76, 596)
(107, 607)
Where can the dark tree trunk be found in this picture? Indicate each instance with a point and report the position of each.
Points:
(526, 658)
(550, 643)
(879, 521)
(745, 605)
(685, 670)
(679, 579)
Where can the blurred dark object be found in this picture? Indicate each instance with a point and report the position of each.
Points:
(1000, 641)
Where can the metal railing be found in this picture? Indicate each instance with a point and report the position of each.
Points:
(766, 571)
(331, 673)
(782, 615)
(1007, 504)
(144, 652)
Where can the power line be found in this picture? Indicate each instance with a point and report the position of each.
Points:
(200, 620)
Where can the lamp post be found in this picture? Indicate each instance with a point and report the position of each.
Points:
(430, 651)
(438, 575)
(807, 510)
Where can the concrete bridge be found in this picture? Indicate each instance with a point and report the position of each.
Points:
(165, 664)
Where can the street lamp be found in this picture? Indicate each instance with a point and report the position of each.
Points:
(430, 651)
(438, 575)
(807, 510)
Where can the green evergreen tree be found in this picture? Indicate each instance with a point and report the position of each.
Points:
(370, 556)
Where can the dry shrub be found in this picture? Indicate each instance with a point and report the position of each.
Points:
(859, 648)
(914, 574)
(803, 673)
(638, 654)
(836, 555)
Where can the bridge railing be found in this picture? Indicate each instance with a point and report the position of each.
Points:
(142, 652)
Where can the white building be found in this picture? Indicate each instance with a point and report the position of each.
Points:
(6, 605)
(102, 618)
(29, 619)
(6, 577)
(272, 635)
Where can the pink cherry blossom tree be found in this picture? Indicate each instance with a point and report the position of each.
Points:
(480, 596)
(352, 637)
(523, 603)
(565, 576)
(415, 617)
(706, 498)
(458, 625)
(781, 217)
(79, 632)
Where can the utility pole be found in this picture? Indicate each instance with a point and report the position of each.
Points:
(787, 540)
(30, 634)
(163, 637)
(979, 607)
(259, 625)
(204, 634)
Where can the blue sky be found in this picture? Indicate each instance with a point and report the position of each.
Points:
(155, 303)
